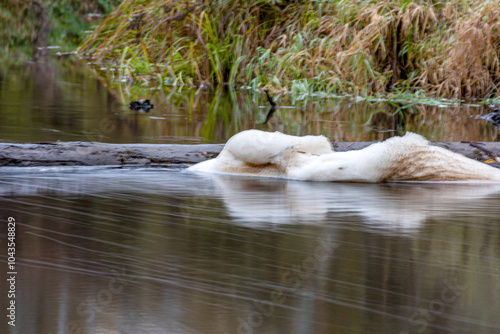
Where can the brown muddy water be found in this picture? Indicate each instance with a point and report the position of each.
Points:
(65, 101)
(104, 250)
(155, 250)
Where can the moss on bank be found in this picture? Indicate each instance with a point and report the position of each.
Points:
(445, 49)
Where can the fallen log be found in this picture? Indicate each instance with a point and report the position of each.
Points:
(98, 154)
(140, 155)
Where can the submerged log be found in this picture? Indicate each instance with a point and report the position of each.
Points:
(140, 155)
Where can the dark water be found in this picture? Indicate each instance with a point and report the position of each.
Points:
(103, 250)
(65, 101)
(106, 250)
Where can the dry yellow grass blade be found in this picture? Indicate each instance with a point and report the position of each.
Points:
(448, 49)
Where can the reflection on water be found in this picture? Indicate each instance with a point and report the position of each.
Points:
(64, 101)
(103, 250)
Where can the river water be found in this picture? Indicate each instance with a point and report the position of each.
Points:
(66, 101)
(105, 250)
(155, 250)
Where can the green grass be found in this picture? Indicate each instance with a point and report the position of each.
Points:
(20, 22)
(409, 50)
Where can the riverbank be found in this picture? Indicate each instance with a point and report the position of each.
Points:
(140, 155)
(384, 49)
(29, 29)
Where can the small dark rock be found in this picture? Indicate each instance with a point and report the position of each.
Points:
(142, 105)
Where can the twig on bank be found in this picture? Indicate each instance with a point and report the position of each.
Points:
(488, 152)
(273, 106)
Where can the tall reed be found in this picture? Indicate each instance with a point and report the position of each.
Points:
(445, 49)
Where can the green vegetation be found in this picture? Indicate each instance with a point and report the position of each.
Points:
(363, 48)
(25, 24)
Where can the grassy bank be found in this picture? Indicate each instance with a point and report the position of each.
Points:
(439, 49)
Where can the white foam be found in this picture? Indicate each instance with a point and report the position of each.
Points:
(407, 158)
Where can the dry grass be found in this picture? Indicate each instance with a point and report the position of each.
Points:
(446, 49)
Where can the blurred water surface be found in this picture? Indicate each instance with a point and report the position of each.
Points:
(64, 100)
(116, 250)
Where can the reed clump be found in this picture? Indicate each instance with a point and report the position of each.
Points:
(444, 49)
